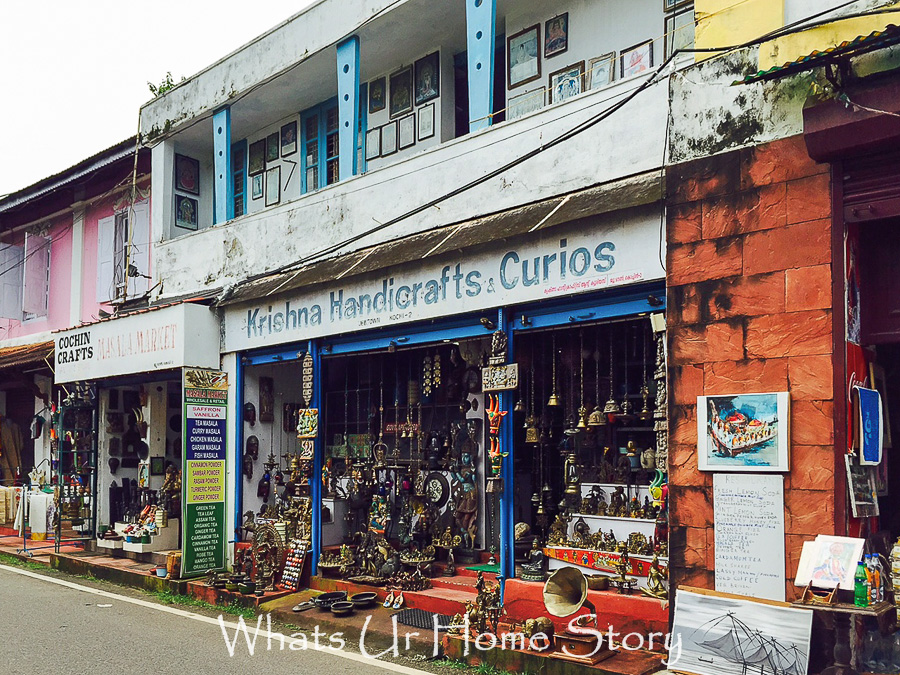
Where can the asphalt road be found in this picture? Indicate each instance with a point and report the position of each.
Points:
(59, 625)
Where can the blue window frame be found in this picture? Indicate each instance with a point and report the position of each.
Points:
(239, 178)
(321, 146)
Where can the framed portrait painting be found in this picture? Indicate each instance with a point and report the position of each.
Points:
(401, 100)
(603, 71)
(256, 186)
(376, 95)
(187, 174)
(272, 147)
(637, 59)
(523, 56)
(428, 72)
(406, 132)
(289, 139)
(389, 139)
(566, 82)
(185, 212)
(256, 162)
(743, 432)
(556, 35)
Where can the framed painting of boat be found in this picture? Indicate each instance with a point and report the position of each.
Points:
(724, 634)
(743, 432)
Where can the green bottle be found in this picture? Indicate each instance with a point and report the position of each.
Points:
(861, 587)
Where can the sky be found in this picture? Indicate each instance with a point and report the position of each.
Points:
(74, 73)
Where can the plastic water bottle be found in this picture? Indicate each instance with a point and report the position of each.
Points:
(861, 586)
(878, 577)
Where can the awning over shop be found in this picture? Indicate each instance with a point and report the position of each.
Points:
(861, 44)
(25, 355)
(637, 190)
(152, 339)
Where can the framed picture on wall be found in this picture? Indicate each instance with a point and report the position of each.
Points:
(428, 78)
(426, 121)
(637, 59)
(289, 139)
(566, 82)
(523, 104)
(556, 35)
(256, 162)
(376, 95)
(273, 186)
(603, 71)
(523, 56)
(256, 186)
(743, 432)
(401, 93)
(373, 143)
(272, 147)
(406, 133)
(187, 174)
(389, 139)
(185, 212)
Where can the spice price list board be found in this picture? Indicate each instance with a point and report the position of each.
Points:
(749, 527)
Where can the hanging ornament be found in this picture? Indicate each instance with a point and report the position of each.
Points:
(645, 413)
(306, 380)
(611, 407)
(582, 410)
(597, 418)
(553, 401)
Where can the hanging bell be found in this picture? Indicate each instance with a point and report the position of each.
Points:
(612, 407)
(596, 418)
(553, 401)
(627, 413)
(582, 418)
(519, 407)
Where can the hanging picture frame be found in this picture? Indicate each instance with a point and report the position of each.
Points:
(289, 139)
(401, 93)
(428, 78)
(744, 432)
(680, 30)
(406, 132)
(373, 143)
(523, 104)
(566, 82)
(389, 139)
(602, 71)
(636, 59)
(187, 174)
(256, 162)
(376, 95)
(523, 56)
(556, 35)
(272, 147)
(256, 186)
(273, 186)
(426, 121)
(186, 212)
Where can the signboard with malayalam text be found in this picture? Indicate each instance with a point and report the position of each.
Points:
(203, 479)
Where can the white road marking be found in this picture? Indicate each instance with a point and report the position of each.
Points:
(393, 667)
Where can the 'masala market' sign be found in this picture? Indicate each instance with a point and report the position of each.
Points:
(170, 337)
(550, 265)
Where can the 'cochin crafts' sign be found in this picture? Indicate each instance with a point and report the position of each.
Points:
(566, 262)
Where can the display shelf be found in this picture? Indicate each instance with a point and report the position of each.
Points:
(652, 521)
(110, 543)
(165, 540)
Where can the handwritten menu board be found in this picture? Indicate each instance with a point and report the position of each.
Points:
(749, 521)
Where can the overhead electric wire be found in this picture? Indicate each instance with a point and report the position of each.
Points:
(792, 28)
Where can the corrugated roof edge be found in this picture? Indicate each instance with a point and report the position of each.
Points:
(84, 167)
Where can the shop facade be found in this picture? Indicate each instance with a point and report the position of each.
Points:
(462, 409)
(121, 451)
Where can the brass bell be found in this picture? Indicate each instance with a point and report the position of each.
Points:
(519, 407)
(612, 407)
(554, 401)
(582, 417)
(597, 418)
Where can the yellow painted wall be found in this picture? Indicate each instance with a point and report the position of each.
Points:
(791, 47)
(722, 23)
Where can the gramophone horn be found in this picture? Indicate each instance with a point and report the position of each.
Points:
(565, 592)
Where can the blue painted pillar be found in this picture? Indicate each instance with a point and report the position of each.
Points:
(223, 188)
(348, 105)
(481, 29)
(318, 456)
(238, 445)
(507, 497)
